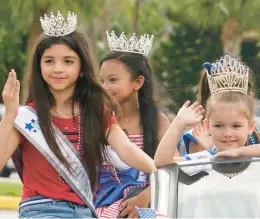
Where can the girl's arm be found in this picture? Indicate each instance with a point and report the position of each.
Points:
(128, 152)
(168, 145)
(10, 140)
(10, 137)
(164, 125)
(249, 151)
(187, 115)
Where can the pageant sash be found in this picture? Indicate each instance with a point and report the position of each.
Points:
(114, 159)
(195, 157)
(200, 155)
(27, 123)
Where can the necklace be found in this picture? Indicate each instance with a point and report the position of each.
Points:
(229, 175)
(230, 170)
(79, 146)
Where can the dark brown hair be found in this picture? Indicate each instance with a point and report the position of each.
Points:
(138, 65)
(88, 92)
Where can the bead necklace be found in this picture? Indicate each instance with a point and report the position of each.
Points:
(79, 146)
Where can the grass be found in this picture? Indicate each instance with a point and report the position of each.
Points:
(10, 189)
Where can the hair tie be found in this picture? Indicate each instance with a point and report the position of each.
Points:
(207, 65)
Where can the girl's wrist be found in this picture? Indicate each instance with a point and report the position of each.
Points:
(179, 122)
(242, 152)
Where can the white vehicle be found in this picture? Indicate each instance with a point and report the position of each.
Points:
(207, 189)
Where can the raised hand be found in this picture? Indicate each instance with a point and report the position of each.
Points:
(190, 115)
(11, 93)
(202, 135)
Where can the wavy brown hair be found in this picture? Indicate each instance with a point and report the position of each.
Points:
(92, 98)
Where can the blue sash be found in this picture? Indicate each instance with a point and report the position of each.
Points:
(110, 190)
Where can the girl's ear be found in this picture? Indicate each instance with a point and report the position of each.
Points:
(251, 94)
(139, 82)
(251, 126)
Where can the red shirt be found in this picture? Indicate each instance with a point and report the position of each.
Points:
(39, 177)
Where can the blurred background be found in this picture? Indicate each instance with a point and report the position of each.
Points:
(187, 33)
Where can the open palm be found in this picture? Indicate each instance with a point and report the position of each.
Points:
(202, 134)
(190, 115)
(10, 94)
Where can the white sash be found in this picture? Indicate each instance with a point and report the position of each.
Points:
(114, 159)
(205, 155)
(27, 123)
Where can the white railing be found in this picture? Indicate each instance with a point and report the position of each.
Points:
(228, 188)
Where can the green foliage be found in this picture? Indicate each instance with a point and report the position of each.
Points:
(178, 61)
(176, 57)
(250, 55)
(12, 54)
(213, 13)
(24, 11)
(12, 46)
(10, 189)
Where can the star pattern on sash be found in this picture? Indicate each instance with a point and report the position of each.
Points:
(28, 126)
(31, 126)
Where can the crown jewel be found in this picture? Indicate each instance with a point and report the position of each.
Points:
(228, 74)
(141, 46)
(56, 26)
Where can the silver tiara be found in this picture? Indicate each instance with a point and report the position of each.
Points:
(228, 74)
(56, 26)
(133, 44)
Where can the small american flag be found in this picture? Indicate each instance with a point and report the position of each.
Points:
(149, 213)
(146, 212)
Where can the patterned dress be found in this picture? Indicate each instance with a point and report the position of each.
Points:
(115, 185)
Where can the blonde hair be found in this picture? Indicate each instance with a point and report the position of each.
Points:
(204, 91)
(233, 98)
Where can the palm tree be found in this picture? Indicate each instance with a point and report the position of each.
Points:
(238, 19)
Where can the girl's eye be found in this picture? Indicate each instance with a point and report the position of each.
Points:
(48, 61)
(237, 126)
(113, 79)
(219, 126)
(68, 61)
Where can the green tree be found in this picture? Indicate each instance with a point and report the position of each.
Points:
(238, 19)
(12, 46)
(136, 16)
(26, 14)
(178, 60)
